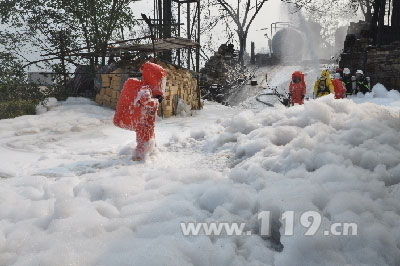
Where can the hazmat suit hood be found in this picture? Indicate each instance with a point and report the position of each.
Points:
(153, 75)
(298, 74)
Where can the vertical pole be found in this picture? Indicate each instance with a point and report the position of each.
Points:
(160, 19)
(155, 17)
(62, 57)
(381, 21)
(155, 22)
(167, 18)
(198, 38)
(179, 31)
(253, 54)
(395, 21)
(188, 32)
(198, 53)
(167, 30)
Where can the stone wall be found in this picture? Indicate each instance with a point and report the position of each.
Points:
(360, 28)
(383, 65)
(181, 84)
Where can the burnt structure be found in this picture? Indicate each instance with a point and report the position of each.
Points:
(381, 61)
(222, 73)
(373, 45)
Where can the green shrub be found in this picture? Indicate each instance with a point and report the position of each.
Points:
(17, 96)
(19, 100)
(15, 108)
(59, 92)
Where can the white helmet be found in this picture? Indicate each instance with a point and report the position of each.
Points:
(346, 71)
(359, 72)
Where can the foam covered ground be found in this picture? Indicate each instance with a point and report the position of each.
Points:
(279, 77)
(70, 195)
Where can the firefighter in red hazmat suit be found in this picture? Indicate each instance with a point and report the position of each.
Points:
(297, 88)
(339, 87)
(137, 107)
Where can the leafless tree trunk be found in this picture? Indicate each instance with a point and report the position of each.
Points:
(378, 20)
(396, 15)
(381, 21)
(240, 16)
(366, 9)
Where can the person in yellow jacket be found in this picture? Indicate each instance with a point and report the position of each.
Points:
(323, 86)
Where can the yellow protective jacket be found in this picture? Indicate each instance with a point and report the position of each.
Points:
(326, 76)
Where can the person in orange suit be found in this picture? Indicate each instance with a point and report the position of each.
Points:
(339, 87)
(138, 105)
(297, 88)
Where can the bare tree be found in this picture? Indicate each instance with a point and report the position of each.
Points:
(366, 8)
(90, 23)
(396, 15)
(242, 14)
(98, 21)
(378, 20)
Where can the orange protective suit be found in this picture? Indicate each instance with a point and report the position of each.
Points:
(297, 88)
(137, 107)
(340, 89)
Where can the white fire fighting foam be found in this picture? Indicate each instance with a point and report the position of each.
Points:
(70, 195)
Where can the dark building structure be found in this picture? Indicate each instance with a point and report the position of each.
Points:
(374, 45)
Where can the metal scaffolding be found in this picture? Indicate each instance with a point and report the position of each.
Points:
(164, 23)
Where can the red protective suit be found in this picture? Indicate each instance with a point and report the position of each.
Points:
(297, 88)
(340, 89)
(137, 109)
